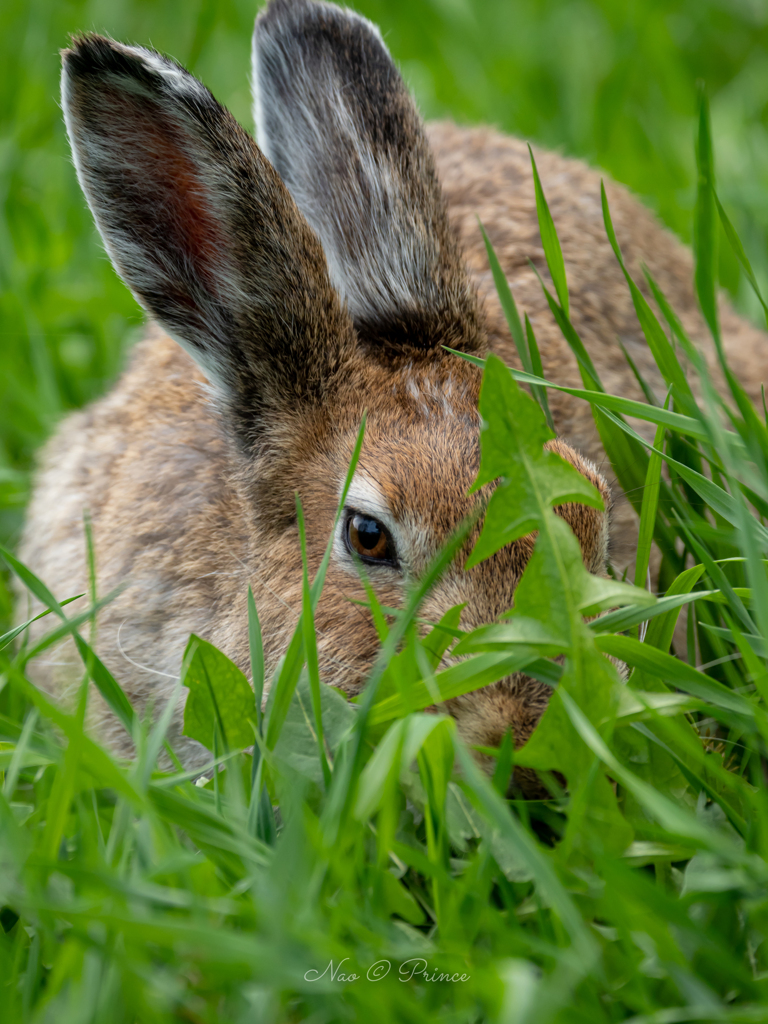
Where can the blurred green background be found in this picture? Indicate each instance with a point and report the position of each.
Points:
(612, 81)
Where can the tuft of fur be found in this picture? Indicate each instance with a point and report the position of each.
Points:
(303, 292)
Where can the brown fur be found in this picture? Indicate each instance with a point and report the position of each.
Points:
(189, 476)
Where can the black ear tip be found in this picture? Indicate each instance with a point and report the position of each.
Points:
(87, 50)
(93, 56)
(99, 59)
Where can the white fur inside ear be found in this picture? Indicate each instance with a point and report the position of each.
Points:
(262, 136)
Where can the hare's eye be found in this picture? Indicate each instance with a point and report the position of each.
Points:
(369, 539)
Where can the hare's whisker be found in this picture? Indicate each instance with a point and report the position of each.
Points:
(144, 668)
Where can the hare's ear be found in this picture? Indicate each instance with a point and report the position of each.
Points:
(203, 231)
(336, 120)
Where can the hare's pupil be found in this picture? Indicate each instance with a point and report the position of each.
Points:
(369, 532)
(369, 538)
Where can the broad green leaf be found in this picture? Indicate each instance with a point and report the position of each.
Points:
(399, 901)
(220, 697)
(297, 747)
(513, 436)
(556, 746)
(556, 571)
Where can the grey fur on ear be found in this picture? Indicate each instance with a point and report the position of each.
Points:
(336, 120)
(202, 230)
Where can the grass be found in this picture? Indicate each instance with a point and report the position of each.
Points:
(358, 865)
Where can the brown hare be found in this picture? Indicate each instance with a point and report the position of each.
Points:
(295, 285)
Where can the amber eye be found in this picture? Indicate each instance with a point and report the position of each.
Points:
(369, 539)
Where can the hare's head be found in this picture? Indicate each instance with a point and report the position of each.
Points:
(312, 279)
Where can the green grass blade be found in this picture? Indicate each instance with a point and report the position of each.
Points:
(672, 670)
(550, 241)
(669, 605)
(675, 819)
(482, 792)
(719, 579)
(537, 370)
(6, 638)
(741, 256)
(377, 612)
(649, 508)
(310, 646)
(645, 387)
(508, 305)
(657, 340)
(587, 369)
(256, 649)
(319, 580)
(705, 224)
(661, 631)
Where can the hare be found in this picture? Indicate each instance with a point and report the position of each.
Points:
(292, 286)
